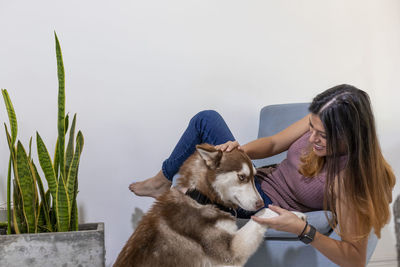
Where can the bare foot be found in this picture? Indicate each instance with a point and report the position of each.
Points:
(152, 187)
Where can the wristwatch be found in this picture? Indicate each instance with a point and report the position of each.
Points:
(307, 238)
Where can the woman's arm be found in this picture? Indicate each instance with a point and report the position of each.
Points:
(343, 253)
(347, 252)
(275, 144)
(271, 145)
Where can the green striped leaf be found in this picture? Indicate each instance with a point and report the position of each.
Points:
(27, 187)
(40, 217)
(70, 146)
(47, 167)
(30, 148)
(33, 176)
(73, 172)
(48, 198)
(18, 214)
(74, 226)
(74, 215)
(11, 116)
(11, 141)
(66, 120)
(52, 211)
(56, 163)
(10, 166)
(9, 196)
(63, 208)
(79, 141)
(12, 155)
(45, 210)
(61, 106)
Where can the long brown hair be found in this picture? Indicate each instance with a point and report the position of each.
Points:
(367, 180)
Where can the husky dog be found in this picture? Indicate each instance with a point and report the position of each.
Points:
(198, 228)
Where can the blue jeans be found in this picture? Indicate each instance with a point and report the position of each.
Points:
(205, 127)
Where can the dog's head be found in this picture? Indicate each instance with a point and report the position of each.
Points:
(229, 176)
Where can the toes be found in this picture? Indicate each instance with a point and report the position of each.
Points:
(132, 187)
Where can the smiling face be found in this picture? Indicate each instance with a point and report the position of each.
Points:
(318, 135)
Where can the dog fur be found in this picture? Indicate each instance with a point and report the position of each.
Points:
(178, 231)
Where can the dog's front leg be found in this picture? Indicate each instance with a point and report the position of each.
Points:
(247, 239)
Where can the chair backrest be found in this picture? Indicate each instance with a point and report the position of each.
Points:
(275, 118)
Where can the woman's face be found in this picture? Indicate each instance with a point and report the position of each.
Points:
(318, 135)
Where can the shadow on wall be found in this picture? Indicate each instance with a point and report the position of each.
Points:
(82, 214)
(136, 217)
(396, 215)
(3, 191)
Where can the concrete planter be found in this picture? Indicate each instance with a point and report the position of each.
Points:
(65, 249)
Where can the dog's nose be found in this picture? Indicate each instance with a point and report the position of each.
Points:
(259, 204)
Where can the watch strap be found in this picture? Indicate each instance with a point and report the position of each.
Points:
(307, 238)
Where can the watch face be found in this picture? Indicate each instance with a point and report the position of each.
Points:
(309, 237)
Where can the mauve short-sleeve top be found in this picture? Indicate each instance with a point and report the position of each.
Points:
(289, 189)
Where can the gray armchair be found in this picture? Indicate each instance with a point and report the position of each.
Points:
(280, 248)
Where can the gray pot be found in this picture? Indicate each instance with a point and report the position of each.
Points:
(81, 248)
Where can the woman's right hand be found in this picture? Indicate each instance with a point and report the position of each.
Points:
(229, 146)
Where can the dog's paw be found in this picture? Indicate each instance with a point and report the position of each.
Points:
(266, 213)
(300, 215)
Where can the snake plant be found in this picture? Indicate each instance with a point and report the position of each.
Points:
(35, 209)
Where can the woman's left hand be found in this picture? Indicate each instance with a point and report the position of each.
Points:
(286, 221)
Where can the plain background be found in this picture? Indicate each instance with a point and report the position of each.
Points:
(137, 71)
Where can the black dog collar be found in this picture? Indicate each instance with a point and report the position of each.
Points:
(204, 200)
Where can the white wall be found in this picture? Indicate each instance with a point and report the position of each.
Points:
(136, 71)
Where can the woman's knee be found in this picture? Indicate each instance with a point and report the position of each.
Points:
(211, 127)
(206, 116)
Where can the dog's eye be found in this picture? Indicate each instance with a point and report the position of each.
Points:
(241, 177)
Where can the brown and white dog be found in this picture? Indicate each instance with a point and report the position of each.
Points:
(196, 228)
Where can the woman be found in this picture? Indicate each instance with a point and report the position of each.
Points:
(334, 163)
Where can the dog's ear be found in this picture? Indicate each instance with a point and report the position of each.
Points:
(209, 154)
